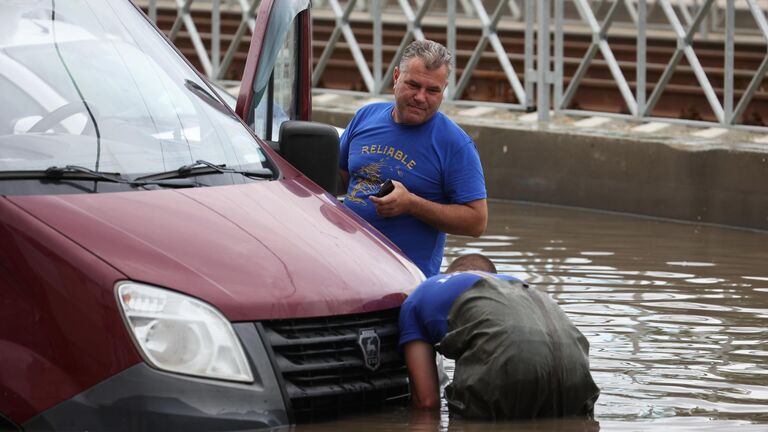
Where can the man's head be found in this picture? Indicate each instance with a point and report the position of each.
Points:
(419, 82)
(471, 262)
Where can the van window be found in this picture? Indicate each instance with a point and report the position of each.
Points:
(281, 89)
(97, 87)
(275, 86)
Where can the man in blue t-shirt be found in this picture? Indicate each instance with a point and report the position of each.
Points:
(433, 164)
(518, 356)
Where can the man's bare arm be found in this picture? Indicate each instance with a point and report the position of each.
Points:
(422, 374)
(463, 219)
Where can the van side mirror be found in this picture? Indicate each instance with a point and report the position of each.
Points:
(313, 148)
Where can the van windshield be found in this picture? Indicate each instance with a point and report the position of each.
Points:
(92, 83)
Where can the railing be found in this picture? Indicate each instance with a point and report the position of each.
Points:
(685, 34)
(543, 84)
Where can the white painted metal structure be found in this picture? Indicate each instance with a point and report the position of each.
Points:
(540, 86)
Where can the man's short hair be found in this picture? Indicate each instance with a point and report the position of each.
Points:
(471, 262)
(433, 54)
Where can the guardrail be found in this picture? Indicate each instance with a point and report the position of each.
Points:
(545, 79)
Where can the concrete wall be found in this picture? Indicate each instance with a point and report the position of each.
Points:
(713, 184)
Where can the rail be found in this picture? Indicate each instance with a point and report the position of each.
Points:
(650, 53)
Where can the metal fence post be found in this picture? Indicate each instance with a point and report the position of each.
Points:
(558, 59)
(757, 79)
(152, 10)
(215, 37)
(640, 90)
(451, 38)
(729, 51)
(542, 100)
(529, 76)
(378, 42)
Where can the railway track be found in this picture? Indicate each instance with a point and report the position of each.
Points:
(683, 97)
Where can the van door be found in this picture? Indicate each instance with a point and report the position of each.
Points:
(275, 97)
(276, 84)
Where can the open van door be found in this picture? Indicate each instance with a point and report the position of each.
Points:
(275, 97)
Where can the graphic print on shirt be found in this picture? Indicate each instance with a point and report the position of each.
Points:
(371, 176)
(369, 179)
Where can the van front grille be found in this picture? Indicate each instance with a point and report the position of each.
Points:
(324, 368)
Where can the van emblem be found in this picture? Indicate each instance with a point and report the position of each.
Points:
(370, 344)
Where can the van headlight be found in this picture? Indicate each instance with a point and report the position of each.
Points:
(178, 333)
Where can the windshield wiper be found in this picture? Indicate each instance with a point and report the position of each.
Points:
(76, 172)
(202, 167)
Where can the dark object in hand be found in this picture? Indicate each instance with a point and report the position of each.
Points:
(385, 189)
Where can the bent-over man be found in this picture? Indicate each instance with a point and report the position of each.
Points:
(517, 354)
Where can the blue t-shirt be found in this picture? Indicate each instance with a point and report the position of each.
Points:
(435, 160)
(424, 314)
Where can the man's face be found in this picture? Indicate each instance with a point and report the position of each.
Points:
(418, 92)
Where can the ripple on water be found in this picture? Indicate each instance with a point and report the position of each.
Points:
(574, 260)
(695, 375)
(731, 330)
(747, 392)
(744, 368)
(691, 423)
(495, 254)
(488, 244)
(705, 280)
(604, 364)
(690, 264)
(660, 295)
(692, 306)
(681, 319)
(601, 309)
(603, 276)
(757, 278)
(500, 237)
(602, 281)
(751, 353)
(668, 275)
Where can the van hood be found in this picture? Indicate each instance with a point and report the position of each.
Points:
(268, 250)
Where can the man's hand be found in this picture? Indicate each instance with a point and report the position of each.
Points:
(468, 218)
(394, 203)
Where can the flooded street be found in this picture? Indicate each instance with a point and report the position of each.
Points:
(676, 315)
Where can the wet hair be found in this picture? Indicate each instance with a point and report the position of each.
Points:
(470, 262)
(433, 54)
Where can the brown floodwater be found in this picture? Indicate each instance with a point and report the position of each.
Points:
(676, 315)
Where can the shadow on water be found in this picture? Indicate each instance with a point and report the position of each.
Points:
(676, 315)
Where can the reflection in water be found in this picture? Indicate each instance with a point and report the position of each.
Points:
(676, 315)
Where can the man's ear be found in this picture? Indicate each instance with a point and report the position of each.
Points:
(395, 75)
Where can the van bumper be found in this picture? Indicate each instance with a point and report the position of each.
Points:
(143, 398)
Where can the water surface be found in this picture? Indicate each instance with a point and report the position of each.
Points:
(676, 315)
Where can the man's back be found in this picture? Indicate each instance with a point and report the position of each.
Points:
(517, 355)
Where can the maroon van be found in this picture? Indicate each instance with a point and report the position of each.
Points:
(162, 265)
